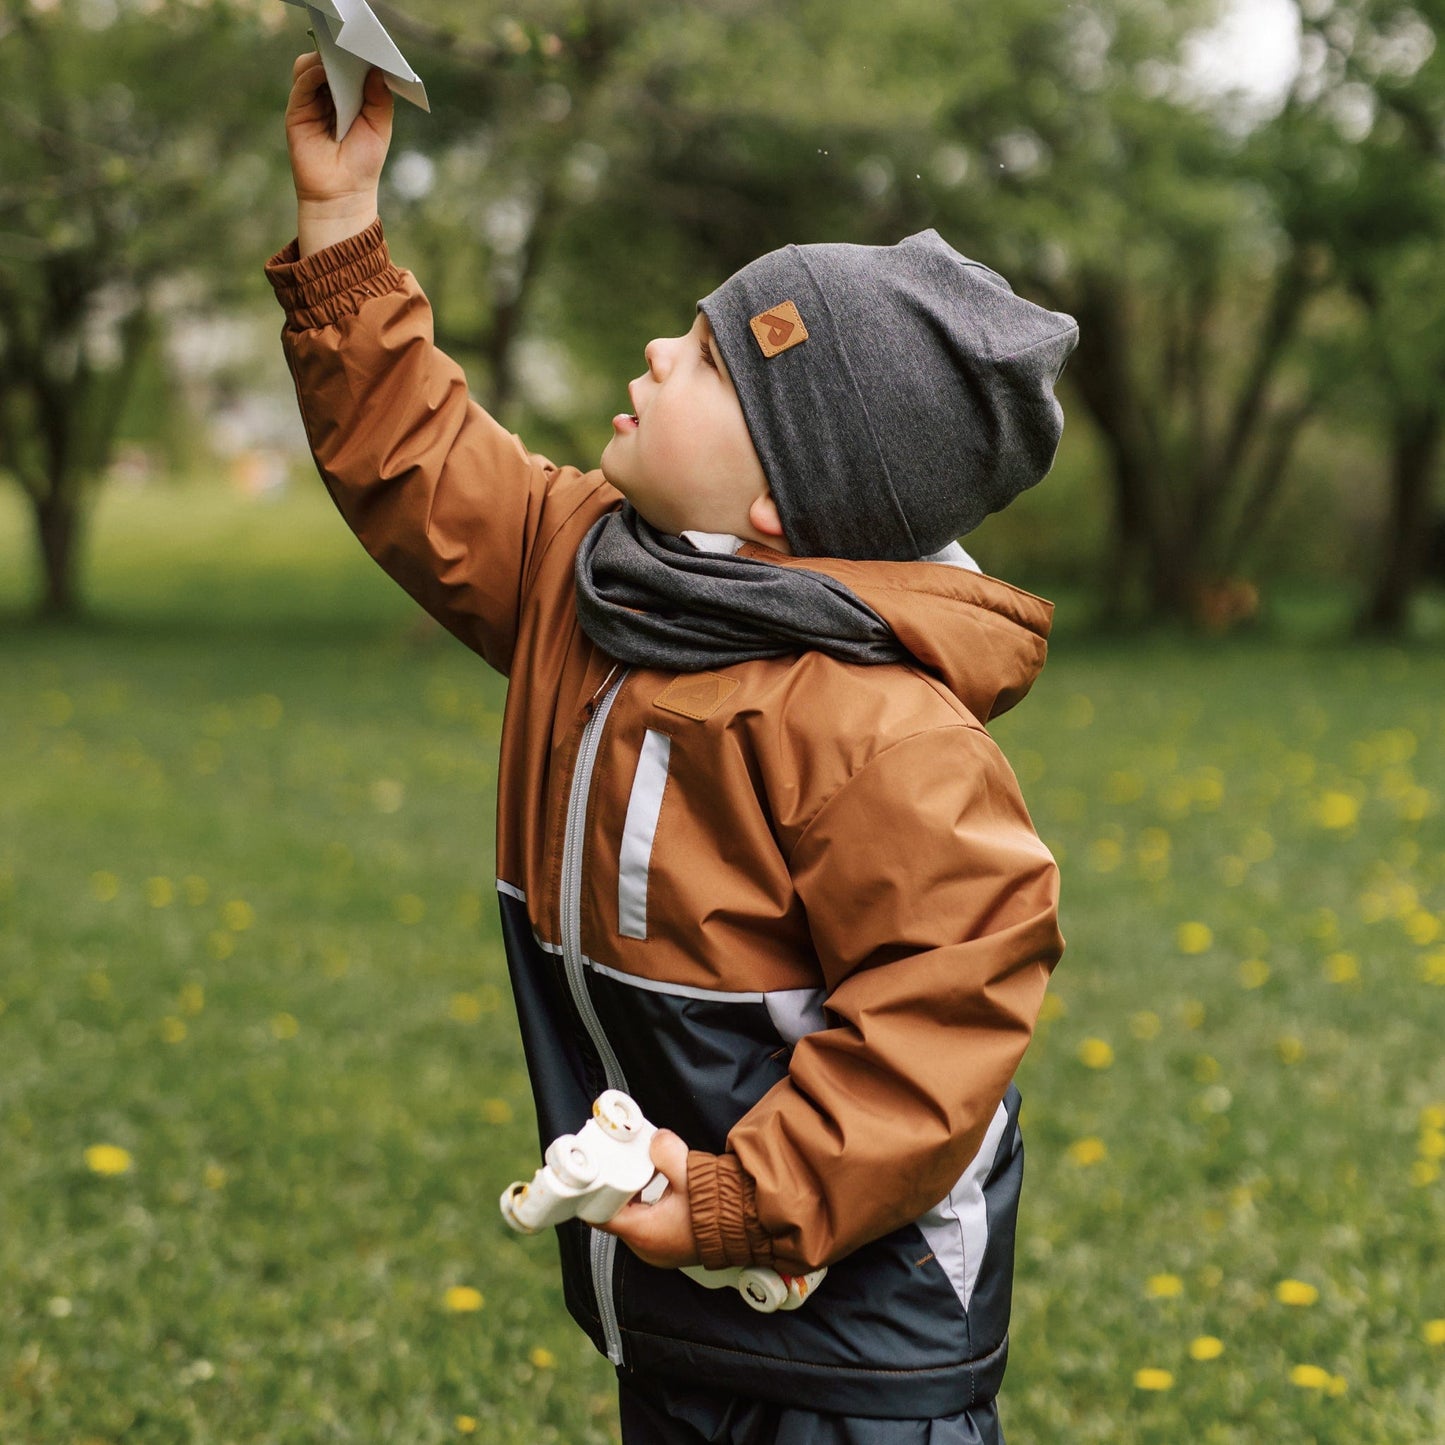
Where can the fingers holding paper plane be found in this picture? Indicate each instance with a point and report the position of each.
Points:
(336, 181)
(323, 167)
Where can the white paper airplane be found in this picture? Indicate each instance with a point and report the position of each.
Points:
(351, 40)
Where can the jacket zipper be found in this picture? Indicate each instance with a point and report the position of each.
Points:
(603, 1246)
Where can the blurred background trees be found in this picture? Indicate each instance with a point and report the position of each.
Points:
(1258, 391)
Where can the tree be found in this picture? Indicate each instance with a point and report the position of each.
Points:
(118, 174)
(1363, 176)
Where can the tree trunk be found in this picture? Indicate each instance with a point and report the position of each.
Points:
(1414, 458)
(57, 530)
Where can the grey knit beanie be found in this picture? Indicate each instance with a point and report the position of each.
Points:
(896, 395)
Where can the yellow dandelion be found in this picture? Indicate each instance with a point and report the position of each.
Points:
(1085, 1152)
(1432, 967)
(1434, 1332)
(1342, 968)
(238, 915)
(1194, 937)
(462, 1299)
(408, 908)
(1290, 1049)
(108, 1159)
(1153, 1380)
(1207, 787)
(1337, 1385)
(159, 892)
(1206, 1068)
(1432, 1144)
(388, 795)
(56, 709)
(496, 1111)
(1124, 787)
(1233, 870)
(1310, 1377)
(173, 1030)
(1299, 768)
(1432, 1116)
(1295, 1292)
(1415, 804)
(1423, 1173)
(1164, 1286)
(465, 1008)
(1053, 1007)
(284, 1026)
(191, 999)
(466, 1424)
(1175, 798)
(1193, 1013)
(1145, 1025)
(1337, 811)
(1206, 1347)
(542, 1358)
(1422, 927)
(213, 1176)
(1253, 973)
(1105, 855)
(1095, 1054)
(104, 886)
(1374, 906)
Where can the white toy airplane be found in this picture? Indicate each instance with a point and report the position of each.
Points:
(351, 40)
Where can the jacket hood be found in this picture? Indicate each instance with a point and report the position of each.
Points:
(983, 639)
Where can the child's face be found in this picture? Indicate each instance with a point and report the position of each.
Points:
(683, 457)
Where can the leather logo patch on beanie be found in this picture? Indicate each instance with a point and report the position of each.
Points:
(778, 329)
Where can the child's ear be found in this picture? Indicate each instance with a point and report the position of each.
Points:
(763, 515)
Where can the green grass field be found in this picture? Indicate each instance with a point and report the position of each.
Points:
(249, 965)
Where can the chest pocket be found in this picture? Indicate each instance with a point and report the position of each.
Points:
(644, 807)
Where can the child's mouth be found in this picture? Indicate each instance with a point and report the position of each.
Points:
(625, 421)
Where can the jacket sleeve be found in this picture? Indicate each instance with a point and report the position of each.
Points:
(451, 504)
(933, 907)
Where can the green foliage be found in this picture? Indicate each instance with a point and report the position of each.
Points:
(246, 935)
(112, 193)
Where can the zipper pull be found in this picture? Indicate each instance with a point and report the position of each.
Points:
(601, 688)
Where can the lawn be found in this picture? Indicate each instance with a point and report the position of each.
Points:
(260, 1082)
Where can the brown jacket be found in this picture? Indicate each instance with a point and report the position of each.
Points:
(844, 843)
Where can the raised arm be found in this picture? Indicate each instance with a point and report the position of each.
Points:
(452, 505)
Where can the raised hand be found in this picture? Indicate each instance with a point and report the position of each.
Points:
(336, 181)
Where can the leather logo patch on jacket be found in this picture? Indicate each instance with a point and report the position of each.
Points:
(696, 694)
(779, 329)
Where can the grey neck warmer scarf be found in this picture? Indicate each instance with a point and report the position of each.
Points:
(653, 600)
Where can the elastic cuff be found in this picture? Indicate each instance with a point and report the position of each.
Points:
(333, 282)
(724, 1212)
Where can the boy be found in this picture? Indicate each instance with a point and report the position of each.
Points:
(759, 863)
